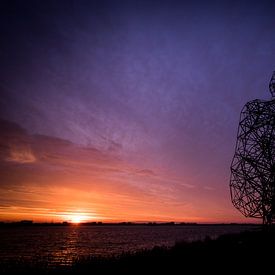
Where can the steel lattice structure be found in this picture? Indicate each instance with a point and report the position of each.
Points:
(252, 182)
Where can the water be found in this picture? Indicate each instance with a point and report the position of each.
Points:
(62, 245)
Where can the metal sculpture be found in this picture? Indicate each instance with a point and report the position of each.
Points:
(252, 182)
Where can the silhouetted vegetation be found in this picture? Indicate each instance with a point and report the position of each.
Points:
(247, 251)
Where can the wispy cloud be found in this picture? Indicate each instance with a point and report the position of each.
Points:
(21, 154)
(209, 188)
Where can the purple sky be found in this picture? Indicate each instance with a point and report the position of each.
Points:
(156, 87)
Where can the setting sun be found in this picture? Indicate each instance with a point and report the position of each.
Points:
(78, 218)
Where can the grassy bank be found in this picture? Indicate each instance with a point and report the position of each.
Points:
(247, 251)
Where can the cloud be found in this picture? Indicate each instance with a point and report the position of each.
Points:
(15, 144)
(145, 172)
(209, 188)
(21, 154)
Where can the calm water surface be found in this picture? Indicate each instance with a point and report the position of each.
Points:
(61, 245)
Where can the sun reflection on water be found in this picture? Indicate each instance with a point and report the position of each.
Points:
(65, 252)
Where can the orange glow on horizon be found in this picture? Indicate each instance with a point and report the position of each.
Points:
(78, 218)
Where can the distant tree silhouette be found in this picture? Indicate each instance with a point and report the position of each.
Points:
(252, 182)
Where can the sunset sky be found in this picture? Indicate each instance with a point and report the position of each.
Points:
(127, 110)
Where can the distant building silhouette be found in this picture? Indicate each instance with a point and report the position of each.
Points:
(252, 182)
(26, 222)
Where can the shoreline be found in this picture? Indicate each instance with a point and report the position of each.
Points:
(30, 223)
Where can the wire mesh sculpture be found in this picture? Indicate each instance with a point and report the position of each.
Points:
(252, 181)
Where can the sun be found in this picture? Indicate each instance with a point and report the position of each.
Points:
(78, 218)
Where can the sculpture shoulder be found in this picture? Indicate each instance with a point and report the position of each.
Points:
(259, 104)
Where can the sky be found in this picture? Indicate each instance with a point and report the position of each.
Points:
(127, 110)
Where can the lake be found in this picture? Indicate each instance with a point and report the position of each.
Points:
(62, 245)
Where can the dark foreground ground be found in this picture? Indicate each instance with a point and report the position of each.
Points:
(245, 252)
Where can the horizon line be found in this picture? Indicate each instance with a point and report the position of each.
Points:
(31, 222)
